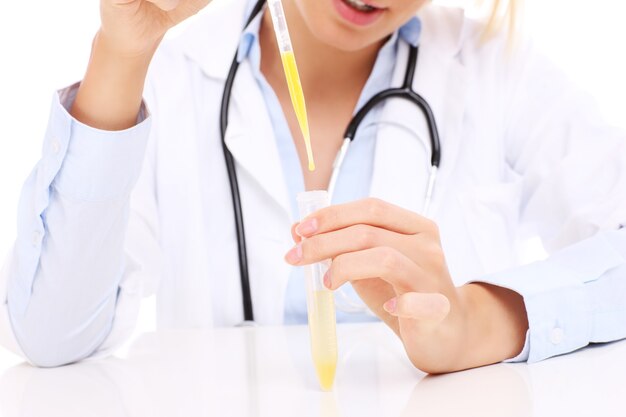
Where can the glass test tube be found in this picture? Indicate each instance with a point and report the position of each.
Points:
(320, 302)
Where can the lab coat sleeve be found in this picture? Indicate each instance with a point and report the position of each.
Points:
(572, 168)
(64, 290)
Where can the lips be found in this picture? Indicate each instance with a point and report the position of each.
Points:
(358, 12)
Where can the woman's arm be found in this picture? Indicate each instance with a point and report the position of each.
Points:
(573, 169)
(63, 277)
(69, 279)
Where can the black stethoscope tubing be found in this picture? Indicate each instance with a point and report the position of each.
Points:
(404, 92)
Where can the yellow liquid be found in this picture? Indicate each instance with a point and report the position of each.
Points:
(322, 328)
(297, 100)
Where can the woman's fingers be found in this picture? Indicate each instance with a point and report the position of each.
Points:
(179, 10)
(421, 249)
(350, 239)
(186, 8)
(381, 262)
(295, 236)
(370, 211)
(425, 307)
(165, 5)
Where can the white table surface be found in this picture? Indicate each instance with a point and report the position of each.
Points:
(267, 371)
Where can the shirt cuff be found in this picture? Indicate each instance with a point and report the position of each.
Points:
(557, 297)
(92, 164)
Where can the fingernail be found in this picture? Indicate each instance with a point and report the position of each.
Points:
(327, 282)
(391, 305)
(307, 227)
(294, 255)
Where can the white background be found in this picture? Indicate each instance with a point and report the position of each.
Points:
(44, 45)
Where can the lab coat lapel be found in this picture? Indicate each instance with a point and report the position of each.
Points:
(250, 138)
(402, 157)
(250, 135)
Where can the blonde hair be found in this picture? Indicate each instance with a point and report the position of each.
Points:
(502, 15)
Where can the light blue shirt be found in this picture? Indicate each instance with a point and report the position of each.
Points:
(353, 182)
(88, 174)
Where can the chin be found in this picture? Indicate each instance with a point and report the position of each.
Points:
(343, 39)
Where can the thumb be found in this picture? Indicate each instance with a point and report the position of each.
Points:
(165, 5)
(431, 307)
(179, 10)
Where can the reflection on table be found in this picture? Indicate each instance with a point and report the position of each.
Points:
(267, 371)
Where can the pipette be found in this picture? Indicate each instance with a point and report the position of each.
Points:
(320, 302)
(291, 73)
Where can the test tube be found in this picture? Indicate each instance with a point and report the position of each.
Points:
(320, 302)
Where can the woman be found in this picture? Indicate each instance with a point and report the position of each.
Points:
(520, 154)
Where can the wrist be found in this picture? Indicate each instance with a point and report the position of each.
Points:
(110, 94)
(497, 322)
(122, 50)
(123, 63)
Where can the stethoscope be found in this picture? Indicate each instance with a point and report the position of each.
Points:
(404, 92)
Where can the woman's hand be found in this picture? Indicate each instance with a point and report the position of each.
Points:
(135, 27)
(395, 262)
(110, 94)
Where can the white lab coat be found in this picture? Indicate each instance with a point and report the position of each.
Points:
(520, 152)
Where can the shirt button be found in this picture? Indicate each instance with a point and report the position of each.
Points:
(36, 238)
(56, 146)
(556, 335)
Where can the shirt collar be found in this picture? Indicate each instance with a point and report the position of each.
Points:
(249, 38)
(411, 30)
